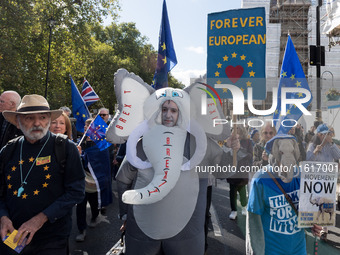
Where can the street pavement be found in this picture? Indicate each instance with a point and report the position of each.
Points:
(225, 236)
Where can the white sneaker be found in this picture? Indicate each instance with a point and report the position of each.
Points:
(233, 215)
(81, 236)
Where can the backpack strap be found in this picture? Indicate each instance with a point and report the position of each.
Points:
(289, 200)
(60, 150)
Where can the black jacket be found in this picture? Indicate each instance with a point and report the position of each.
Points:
(11, 132)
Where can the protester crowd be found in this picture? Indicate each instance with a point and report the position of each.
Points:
(39, 187)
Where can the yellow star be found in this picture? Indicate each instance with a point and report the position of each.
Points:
(164, 60)
(15, 193)
(163, 46)
(294, 106)
(219, 65)
(298, 84)
(9, 186)
(252, 74)
(300, 94)
(242, 90)
(45, 185)
(218, 82)
(24, 196)
(288, 112)
(243, 57)
(248, 84)
(225, 90)
(78, 113)
(48, 176)
(46, 168)
(21, 162)
(250, 64)
(83, 116)
(234, 55)
(13, 168)
(217, 74)
(225, 58)
(31, 159)
(284, 74)
(276, 111)
(36, 192)
(292, 77)
(8, 177)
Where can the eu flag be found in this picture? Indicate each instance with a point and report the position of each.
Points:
(166, 59)
(80, 111)
(96, 132)
(291, 76)
(98, 163)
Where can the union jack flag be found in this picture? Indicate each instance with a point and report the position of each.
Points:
(88, 94)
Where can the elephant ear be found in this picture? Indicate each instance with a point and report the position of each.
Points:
(200, 99)
(131, 92)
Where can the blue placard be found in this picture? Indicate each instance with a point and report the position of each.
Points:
(237, 51)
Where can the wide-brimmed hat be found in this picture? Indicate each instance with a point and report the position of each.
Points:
(31, 104)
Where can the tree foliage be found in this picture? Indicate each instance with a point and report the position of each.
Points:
(80, 46)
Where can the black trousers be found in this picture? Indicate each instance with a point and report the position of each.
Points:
(92, 198)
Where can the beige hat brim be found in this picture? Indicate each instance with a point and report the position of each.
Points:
(11, 116)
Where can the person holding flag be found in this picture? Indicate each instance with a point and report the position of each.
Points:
(96, 162)
(272, 220)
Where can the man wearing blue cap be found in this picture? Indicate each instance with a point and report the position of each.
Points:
(322, 147)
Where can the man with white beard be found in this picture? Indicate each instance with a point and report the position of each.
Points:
(37, 191)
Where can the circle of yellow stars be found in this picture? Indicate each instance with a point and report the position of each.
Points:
(36, 191)
(297, 84)
(226, 59)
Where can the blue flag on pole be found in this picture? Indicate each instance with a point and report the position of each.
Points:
(79, 109)
(98, 163)
(291, 76)
(96, 132)
(236, 48)
(166, 59)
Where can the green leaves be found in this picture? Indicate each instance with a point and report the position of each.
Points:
(80, 46)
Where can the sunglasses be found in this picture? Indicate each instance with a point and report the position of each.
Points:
(103, 114)
(266, 133)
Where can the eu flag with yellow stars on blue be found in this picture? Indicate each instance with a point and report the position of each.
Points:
(166, 59)
(291, 76)
(79, 108)
(96, 132)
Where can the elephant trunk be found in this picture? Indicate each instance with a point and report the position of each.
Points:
(164, 147)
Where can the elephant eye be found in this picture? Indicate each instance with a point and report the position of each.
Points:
(176, 94)
(158, 96)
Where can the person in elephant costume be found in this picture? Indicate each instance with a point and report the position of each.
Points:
(272, 222)
(161, 182)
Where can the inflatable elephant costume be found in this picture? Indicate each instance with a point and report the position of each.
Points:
(158, 181)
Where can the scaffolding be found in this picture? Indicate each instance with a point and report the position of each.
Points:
(294, 17)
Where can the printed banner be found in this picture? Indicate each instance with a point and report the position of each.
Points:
(317, 194)
(237, 51)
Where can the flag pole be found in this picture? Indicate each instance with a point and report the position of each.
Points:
(234, 133)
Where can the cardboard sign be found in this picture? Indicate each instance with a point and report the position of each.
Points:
(317, 194)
